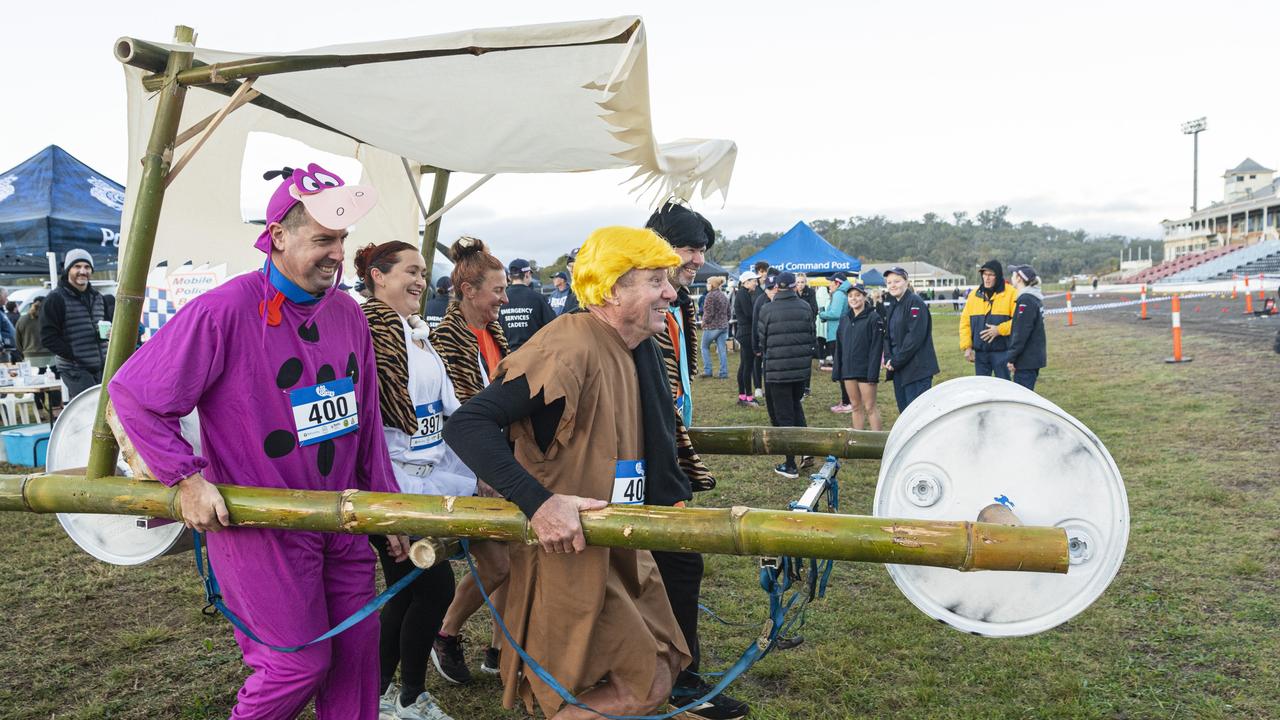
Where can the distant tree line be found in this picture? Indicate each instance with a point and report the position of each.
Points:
(960, 244)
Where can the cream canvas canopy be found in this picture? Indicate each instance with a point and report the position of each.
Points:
(563, 97)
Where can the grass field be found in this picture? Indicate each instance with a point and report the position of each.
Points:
(1188, 629)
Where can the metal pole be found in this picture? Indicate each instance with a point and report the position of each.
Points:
(439, 187)
(1195, 170)
(137, 252)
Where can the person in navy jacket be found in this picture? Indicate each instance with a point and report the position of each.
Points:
(859, 350)
(1027, 353)
(910, 361)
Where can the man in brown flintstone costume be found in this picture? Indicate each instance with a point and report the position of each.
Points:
(591, 423)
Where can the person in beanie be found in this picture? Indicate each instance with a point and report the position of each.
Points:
(910, 361)
(859, 348)
(268, 358)
(561, 294)
(1027, 353)
(526, 311)
(743, 306)
(784, 337)
(690, 235)
(438, 305)
(75, 322)
(984, 323)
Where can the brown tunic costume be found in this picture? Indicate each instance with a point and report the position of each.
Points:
(603, 610)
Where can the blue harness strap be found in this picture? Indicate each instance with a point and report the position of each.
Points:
(753, 653)
(213, 596)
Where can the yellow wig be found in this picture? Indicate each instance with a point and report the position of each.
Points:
(611, 252)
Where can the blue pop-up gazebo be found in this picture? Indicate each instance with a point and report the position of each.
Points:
(801, 249)
(54, 202)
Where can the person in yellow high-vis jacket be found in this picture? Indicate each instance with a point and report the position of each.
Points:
(986, 321)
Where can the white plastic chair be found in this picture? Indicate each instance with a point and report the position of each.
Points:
(14, 409)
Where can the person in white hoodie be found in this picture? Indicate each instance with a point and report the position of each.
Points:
(1027, 354)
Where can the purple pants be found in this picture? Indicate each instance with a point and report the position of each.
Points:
(290, 587)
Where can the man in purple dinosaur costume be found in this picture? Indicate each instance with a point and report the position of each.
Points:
(280, 366)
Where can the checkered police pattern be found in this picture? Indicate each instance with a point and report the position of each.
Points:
(157, 308)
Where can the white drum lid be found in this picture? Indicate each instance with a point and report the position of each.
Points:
(116, 539)
(973, 441)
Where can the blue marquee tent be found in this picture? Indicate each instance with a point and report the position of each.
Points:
(54, 202)
(801, 249)
(872, 278)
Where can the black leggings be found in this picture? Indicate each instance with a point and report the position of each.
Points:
(746, 368)
(411, 619)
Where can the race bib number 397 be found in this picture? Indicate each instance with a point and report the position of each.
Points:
(325, 411)
(628, 483)
(430, 423)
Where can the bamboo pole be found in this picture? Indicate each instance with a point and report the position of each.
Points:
(278, 64)
(137, 253)
(150, 57)
(840, 442)
(431, 231)
(960, 545)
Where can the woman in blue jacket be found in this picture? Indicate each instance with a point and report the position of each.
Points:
(836, 308)
(856, 363)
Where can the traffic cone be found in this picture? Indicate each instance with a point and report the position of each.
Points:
(1070, 318)
(1262, 292)
(1177, 334)
(1143, 316)
(1234, 278)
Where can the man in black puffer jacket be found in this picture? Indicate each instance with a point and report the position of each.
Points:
(785, 337)
(70, 323)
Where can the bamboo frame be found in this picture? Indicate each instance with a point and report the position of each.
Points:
(137, 255)
(431, 230)
(960, 545)
(218, 73)
(243, 94)
(819, 442)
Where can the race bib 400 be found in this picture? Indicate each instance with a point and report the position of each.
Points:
(325, 411)
(628, 483)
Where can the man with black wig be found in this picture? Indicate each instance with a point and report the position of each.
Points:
(691, 236)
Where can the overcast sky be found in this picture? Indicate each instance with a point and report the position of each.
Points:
(1067, 113)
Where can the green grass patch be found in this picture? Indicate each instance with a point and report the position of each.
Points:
(1187, 630)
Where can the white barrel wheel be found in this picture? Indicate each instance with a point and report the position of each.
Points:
(116, 539)
(974, 441)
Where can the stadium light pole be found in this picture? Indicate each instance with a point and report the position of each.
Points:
(1194, 128)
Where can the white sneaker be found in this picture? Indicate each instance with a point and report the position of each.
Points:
(387, 703)
(759, 393)
(424, 708)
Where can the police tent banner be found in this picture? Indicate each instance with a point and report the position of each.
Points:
(52, 202)
(801, 249)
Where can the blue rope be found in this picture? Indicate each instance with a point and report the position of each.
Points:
(213, 596)
(753, 653)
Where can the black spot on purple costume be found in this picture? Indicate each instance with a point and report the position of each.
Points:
(325, 374)
(279, 443)
(353, 368)
(289, 374)
(311, 334)
(324, 458)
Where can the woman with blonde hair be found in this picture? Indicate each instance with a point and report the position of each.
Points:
(715, 327)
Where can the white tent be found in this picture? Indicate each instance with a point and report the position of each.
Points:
(562, 97)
